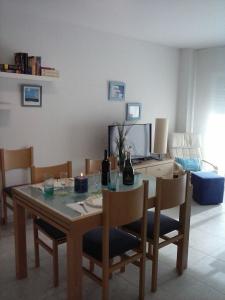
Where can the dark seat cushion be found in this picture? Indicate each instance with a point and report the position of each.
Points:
(119, 243)
(50, 230)
(167, 225)
(8, 189)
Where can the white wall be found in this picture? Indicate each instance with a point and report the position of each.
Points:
(72, 123)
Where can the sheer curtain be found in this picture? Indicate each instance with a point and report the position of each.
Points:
(209, 105)
(214, 137)
(214, 140)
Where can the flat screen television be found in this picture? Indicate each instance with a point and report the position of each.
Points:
(138, 140)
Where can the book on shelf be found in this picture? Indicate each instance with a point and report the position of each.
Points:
(49, 72)
(34, 65)
(38, 65)
(31, 65)
(47, 68)
(21, 62)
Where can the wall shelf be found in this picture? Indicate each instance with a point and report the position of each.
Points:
(27, 77)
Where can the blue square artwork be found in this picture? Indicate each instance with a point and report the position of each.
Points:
(116, 90)
(31, 95)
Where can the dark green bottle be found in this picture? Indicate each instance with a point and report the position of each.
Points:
(105, 169)
(128, 171)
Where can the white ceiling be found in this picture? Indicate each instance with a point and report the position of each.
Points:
(178, 23)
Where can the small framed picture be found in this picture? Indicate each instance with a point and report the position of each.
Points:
(31, 95)
(133, 111)
(116, 90)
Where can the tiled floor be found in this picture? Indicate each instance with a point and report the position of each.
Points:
(203, 280)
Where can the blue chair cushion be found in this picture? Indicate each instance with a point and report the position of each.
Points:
(208, 187)
(119, 243)
(189, 164)
(167, 225)
(50, 230)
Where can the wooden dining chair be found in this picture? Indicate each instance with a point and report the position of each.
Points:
(104, 243)
(55, 235)
(12, 160)
(169, 193)
(93, 166)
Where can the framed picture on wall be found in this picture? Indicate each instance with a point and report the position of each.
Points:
(133, 111)
(31, 95)
(116, 90)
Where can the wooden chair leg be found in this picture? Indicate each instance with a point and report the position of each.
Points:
(179, 264)
(91, 266)
(1, 208)
(123, 268)
(36, 244)
(155, 268)
(110, 264)
(55, 264)
(4, 207)
(150, 250)
(142, 278)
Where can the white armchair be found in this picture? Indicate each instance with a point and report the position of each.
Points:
(188, 145)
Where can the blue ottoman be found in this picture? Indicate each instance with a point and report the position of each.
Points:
(208, 187)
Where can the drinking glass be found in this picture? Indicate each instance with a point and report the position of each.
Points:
(63, 179)
(49, 186)
(113, 181)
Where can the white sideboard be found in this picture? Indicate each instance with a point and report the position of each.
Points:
(157, 168)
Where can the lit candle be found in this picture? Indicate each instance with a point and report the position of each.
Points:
(81, 184)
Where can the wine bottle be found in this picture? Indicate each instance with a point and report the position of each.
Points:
(128, 172)
(105, 169)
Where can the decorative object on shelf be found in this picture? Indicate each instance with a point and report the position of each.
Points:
(31, 95)
(133, 111)
(120, 141)
(161, 136)
(116, 90)
(9, 68)
(81, 184)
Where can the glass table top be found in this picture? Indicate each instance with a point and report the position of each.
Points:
(62, 197)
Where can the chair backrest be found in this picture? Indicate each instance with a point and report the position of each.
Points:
(15, 159)
(170, 192)
(93, 166)
(38, 174)
(184, 145)
(120, 208)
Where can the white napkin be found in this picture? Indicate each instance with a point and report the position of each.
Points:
(94, 201)
(38, 186)
(57, 184)
(77, 207)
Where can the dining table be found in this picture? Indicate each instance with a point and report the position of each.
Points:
(63, 210)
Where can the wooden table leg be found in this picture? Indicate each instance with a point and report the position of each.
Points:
(20, 240)
(74, 265)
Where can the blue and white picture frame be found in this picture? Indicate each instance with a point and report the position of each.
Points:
(133, 111)
(116, 90)
(31, 95)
